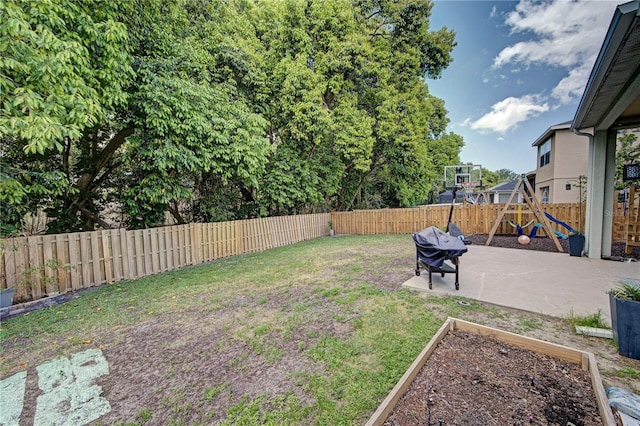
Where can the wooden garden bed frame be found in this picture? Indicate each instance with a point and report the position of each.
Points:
(585, 359)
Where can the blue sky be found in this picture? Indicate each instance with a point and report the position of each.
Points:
(519, 68)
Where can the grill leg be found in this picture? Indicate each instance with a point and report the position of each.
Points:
(430, 284)
(456, 262)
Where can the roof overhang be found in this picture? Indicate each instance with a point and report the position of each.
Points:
(550, 131)
(612, 95)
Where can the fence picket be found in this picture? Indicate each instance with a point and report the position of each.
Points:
(36, 267)
(107, 259)
(85, 255)
(50, 275)
(131, 255)
(94, 257)
(139, 252)
(9, 249)
(21, 265)
(62, 254)
(75, 261)
(118, 246)
(167, 248)
(162, 249)
(155, 251)
(206, 241)
(3, 272)
(175, 244)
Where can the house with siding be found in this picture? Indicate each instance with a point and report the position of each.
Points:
(562, 158)
(501, 192)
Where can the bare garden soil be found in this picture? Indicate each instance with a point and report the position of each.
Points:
(546, 244)
(473, 380)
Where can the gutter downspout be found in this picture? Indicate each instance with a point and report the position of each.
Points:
(587, 218)
(579, 133)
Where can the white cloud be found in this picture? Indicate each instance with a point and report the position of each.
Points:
(572, 86)
(508, 113)
(565, 33)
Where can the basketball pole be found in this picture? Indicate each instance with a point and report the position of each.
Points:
(453, 201)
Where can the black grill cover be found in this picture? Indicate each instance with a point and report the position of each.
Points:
(434, 246)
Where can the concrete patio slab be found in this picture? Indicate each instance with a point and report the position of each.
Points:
(549, 283)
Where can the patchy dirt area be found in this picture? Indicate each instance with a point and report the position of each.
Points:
(190, 366)
(193, 365)
(495, 383)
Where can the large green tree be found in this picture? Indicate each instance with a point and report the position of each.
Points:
(215, 110)
(63, 73)
(198, 137)
(411, 143)
(351, 117)
(139, 111)
(313, 53)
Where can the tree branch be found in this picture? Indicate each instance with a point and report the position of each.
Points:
(173, 209)
(374, 167)
(107, 172)
(87, 213)
(377, 12)
(105, 155)
(86, 180)
(65, 156)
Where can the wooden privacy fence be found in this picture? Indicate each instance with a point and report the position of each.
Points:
(470, 218)
(632, 224)
(64, 262)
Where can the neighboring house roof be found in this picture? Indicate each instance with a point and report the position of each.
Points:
(550, 131)
(613, 89)
(504, 187)
(447, 196)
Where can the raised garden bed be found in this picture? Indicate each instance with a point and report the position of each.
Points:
(471, 374)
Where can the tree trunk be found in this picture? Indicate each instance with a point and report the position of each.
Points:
(86, 181)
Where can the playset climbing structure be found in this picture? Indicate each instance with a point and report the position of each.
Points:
(529, 196)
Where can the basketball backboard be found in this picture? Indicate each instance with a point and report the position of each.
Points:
(457, 176)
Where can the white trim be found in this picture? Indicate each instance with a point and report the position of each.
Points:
(631, 92)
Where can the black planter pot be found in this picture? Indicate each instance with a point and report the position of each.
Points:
(625, 321)
(6, 297)
(576, 245)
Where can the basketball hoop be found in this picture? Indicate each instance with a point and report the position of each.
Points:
(468, 190)
(469, 186)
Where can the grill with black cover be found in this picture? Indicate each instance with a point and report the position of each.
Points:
(433, 248)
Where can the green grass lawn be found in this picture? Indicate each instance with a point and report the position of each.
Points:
(334, 305)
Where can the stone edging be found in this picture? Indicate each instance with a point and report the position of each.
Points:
(34, 305)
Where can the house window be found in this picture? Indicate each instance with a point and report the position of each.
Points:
(545, 194)
(545, 153)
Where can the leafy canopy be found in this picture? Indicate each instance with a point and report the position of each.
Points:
(119, 113)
